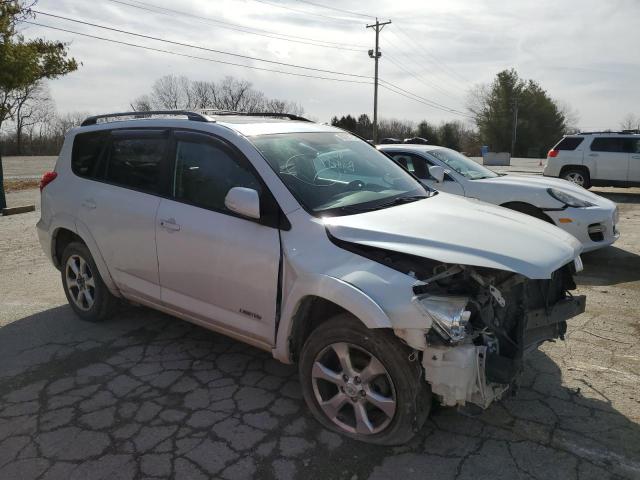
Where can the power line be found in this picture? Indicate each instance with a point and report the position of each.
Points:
(240, 28)
(337, 9)
(421, 51)
(423, 102)
(409, 60)
(170, 52)
(431, 102)
(434, 68)
(182, 44)
(304, 12)
(388, 85)
(424, 82)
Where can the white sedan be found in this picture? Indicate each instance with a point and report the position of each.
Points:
(590, 218)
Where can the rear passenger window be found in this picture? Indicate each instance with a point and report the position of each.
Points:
(608, 144)
(136, 162)
(569, 143)
(86, 156)
(205, 172)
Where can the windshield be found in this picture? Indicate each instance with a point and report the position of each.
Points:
(337, 173)
(461, 164)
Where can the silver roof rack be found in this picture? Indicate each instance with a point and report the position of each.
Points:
(610, 132)
(193, 116)
(290, 116)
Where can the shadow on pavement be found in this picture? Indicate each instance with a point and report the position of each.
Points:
(149, 395)
(620, 197)
(609, 266)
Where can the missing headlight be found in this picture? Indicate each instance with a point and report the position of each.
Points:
(448, 313)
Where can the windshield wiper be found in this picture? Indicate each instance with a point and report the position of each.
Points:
(380, 206)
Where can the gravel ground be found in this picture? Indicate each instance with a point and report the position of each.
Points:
(149, 396)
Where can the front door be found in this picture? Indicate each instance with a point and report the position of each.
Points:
(214, 265)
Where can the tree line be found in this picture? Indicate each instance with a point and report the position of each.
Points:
(456, 134)
(179, 92)
(35, 128)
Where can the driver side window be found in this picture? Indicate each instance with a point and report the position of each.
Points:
(414, 164)
(205, 172)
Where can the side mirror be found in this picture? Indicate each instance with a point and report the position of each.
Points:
(437, 172)
(243, 201)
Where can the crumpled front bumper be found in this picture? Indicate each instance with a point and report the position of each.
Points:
(470, 373)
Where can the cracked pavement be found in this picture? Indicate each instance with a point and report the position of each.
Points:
(148, 396)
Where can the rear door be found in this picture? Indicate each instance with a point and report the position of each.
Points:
(119, 200)
(609, 158)
(216, 266)
(634, 161)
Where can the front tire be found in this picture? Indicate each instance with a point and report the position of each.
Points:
(87, 294)
(361, 383)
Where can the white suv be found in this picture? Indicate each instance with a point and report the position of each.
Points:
(598, 158)
(305, 241)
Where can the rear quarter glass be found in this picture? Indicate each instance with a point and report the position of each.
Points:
(569, 143)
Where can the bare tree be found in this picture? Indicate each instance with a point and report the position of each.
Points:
(571, 116)
(203, 94)
(630, 122)
(142, 104)
(231, 94)
(394, 128)
(33, 106)
(283, 106)
(171, 92)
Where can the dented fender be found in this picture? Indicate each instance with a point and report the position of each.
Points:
(334, 290)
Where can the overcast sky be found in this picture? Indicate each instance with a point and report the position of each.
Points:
(583, 52)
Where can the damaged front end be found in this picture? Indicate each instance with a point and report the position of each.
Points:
(482, 322)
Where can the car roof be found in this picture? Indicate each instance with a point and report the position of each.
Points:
(604, 134)
(408, 146)
(248, 124)
(265, 126)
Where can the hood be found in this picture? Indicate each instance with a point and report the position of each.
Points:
(453, 229)
(522, 181)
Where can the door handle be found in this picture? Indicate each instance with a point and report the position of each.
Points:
(170, 225)
(635, 156)
(593, 154)
(88, 203)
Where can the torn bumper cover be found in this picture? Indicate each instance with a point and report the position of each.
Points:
(477, 373)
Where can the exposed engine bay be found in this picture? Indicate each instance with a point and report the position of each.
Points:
(482, 321)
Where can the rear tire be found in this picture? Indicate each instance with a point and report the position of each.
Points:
(381, 396)
(579, 176)
(87, 294)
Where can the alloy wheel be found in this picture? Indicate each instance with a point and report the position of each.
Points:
(576, 178)
(80, 282)
(353, 389)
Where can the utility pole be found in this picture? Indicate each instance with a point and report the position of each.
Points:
(514, 132)
(376, 54)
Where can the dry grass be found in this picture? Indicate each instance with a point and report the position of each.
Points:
(21, 184)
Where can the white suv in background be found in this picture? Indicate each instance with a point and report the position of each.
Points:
(598, 158)
(305, 241)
